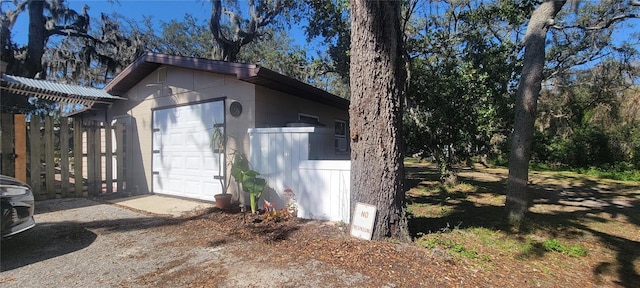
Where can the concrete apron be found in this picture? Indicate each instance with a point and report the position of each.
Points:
(161, 205)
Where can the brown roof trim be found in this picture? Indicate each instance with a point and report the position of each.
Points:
(276, 81)
(254, 74)
(149, 62)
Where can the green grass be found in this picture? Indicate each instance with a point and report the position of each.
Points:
(455, 248)
(460, 249)
(553, 245)
(620, 172)
(614, 174)
(457, 242)
(562, 230)
(411, 160)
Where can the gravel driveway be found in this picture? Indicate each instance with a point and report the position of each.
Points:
(83, 243)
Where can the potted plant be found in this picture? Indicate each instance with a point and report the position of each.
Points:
(223, 201)
(248, 179)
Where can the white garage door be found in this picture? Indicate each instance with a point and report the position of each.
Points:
(184, 163)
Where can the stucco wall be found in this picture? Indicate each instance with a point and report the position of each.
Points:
(261, 107)
(276, 109)
(182, 86)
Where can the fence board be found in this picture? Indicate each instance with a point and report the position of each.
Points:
(98, 159)
(77, 157)
(50, 165)
(108, 167)
(64, 157)
(91, 167)
(34, 157)
(38, 145)
(6, 144)
(120, 156)
(20, 147)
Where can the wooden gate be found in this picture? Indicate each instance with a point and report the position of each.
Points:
(64, 157)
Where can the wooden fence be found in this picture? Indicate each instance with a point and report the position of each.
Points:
(65, 157)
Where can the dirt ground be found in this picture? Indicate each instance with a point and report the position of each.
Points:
(297, 253)
(84, 243)
(214, 248)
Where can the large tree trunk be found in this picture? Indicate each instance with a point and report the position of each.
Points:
(377, 82)
(518, 200)
(37, 38)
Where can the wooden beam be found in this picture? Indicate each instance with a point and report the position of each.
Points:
(20, 147)
(120, 130)
(50, 165)
(64, 157)
(108, 157)
(6, 144)
(34, 157)
(91, 153)
(78, 153)
(98, 158)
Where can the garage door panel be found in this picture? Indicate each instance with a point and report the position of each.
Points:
(192, 187)
(175, 184)
(184, 161)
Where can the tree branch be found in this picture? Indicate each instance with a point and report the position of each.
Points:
(12, 16)
(604, 25)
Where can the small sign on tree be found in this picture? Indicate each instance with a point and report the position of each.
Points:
(363, 220)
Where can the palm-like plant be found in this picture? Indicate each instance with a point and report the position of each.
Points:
(249, 180)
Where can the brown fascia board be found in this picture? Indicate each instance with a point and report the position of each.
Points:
(274, 80)
(254, 74)
(149, 62)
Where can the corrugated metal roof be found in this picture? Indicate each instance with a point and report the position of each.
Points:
(70, 90)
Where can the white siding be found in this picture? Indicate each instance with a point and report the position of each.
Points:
(323, 191)
(321, 187)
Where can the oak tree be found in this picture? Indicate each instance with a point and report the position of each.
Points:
(589, 17)
(377, 75)
(240, 31)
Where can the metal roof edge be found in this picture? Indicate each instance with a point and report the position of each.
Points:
(325, 96)
(124, 73)
(240, 70)
(126, 79)
(52, 87)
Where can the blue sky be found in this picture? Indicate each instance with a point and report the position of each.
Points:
(160, 10)
(166, 10)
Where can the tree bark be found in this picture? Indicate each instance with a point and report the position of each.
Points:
(518, 199)
(37, 39)
(377, 81)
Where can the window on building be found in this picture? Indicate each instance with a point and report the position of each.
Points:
(308, 118)
(341, 136)
(162, 74)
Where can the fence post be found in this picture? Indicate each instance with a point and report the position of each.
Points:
(120, 156)
(91, 148)
(64, 157)
(34, 156)
(78, 154)
(108, 157)
(6, 144)
(98, 158)
(49, 154)
(20, 147)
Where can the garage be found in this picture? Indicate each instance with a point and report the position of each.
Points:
(184, 164)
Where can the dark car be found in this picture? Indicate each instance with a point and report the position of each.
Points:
(17, 206)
